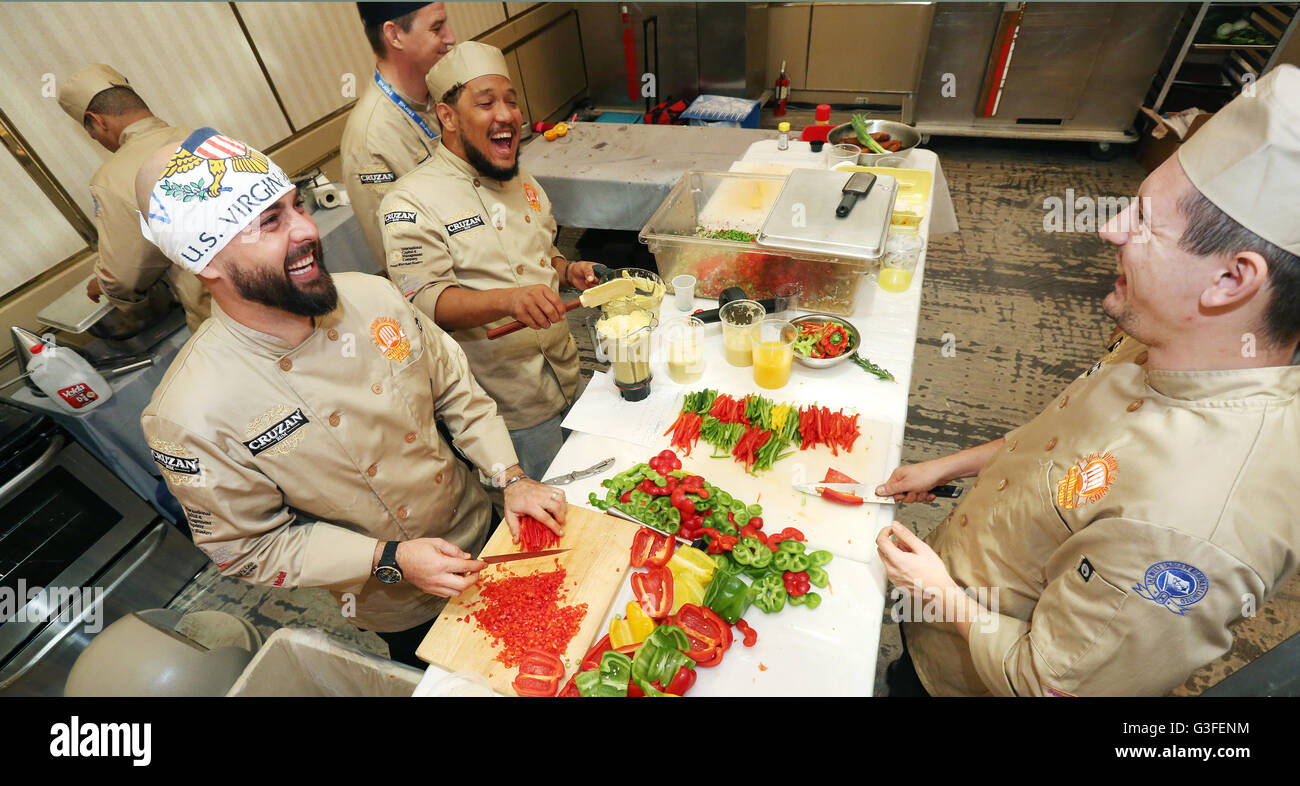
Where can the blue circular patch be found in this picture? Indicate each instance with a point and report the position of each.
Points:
(1175, 585)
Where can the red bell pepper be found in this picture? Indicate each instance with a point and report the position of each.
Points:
(796, 584)
(570, 689)
(651, 548)
(539, 674)
(592, 659)
(835, 476)
(681, 682)
(654, 591)
(709, 635)
(751, 635)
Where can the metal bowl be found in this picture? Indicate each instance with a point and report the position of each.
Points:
(903, 133)
(855, 340)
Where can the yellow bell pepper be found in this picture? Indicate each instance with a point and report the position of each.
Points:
(633, 628)
(686, 589)
(690, 561)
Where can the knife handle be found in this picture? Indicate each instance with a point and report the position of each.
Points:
(951, 492)
(507, 329)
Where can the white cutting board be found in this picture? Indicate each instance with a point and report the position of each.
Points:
(801, 652)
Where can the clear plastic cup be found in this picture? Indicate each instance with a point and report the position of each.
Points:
(773, 352)
(787, 298)
(898, 264)
(684, 341)
(739, 318)
(684, 292)
(841, 154)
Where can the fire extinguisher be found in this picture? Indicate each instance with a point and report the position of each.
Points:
(782, 91)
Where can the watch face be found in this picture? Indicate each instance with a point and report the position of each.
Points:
(387, 574)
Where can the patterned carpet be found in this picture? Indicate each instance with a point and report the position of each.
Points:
(1024, 309)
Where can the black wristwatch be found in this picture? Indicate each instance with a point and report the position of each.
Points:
(387, 570)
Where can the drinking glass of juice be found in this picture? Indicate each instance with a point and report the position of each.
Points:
(902, 252)
(739, 318)
(685, 344)
(773, 352)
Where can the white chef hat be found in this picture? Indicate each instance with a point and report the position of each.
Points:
(210, 189)
(1246, 159)
(463, 62)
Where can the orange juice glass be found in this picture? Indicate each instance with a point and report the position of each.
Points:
(773, 352)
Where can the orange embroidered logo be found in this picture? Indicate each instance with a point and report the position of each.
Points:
(1087, 481)
(530, 194)
(388, 335)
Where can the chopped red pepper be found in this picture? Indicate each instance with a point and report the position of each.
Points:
(751, 635)
(534, 535)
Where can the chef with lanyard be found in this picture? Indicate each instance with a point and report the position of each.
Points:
(297, 426)
(470, 239)
(103, 102)
(391, 128)
(1154, 501)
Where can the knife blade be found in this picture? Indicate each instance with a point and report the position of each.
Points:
(560, 480)
(868, 493)
(498, 558)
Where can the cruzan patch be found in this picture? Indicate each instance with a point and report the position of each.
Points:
(399, 215)
(376, 178)
(1087, 481)
(388, 336)
(179, 466)
(1174, 585)
(464, 224)
(281, 436)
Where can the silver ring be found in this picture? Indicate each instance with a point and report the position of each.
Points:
(557, 495)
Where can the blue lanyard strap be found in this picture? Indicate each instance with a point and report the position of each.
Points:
(396, 99)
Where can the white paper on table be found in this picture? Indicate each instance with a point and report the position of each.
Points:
(602, 411)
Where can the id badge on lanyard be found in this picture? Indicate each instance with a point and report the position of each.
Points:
(396, 99)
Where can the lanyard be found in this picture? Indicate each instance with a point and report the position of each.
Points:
(388, 91)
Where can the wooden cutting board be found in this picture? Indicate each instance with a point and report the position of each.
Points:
(596, 565)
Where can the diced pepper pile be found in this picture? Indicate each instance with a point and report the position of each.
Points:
(756, 431)
(523, 614)
(686, 600)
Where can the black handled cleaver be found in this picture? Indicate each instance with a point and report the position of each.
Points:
(858, 187)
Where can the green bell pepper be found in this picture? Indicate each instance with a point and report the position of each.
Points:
(727, 595)
(810, 599)
(819, 558)
(609, 680)
(817, 576)
(660, 655)
(792, 547)
(784, 560)
(768, 593)
(752, 553)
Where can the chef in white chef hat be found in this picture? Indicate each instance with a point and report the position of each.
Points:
(1216, 282)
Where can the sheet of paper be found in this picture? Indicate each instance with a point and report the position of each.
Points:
(602, 411)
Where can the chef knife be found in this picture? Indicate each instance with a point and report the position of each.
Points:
(594, 469)
(498, 558)
(857, 188)
(616, 513)
(868, 493)
(596, 296)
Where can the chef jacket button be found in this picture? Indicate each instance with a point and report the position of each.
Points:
(544, 263)
(1135, 405)
(1051, 443)
(437, 478)
(501, 227)
(372, 469)
(376, 388)
(476, 183)
(286, 364)
(410, 436)
(963, 519)
(332, 334)
(1002, 484)
(334, 420)
(1064, 401)
(528, 219)
(519, 269)
(1141, 359)
(402, 513)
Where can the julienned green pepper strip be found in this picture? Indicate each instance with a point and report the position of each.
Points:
(784, 560)
(810, 599)
(609, 680)
(817, 576)
(791, 546)
(660, 655)
(768, 593)
(751, 552)
(727, 595)
(819, 558)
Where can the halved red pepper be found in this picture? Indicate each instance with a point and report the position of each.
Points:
(651, 548)
(654, 591)
(709, 635)
(540, 673)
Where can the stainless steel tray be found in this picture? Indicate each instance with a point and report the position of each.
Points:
(803, 218)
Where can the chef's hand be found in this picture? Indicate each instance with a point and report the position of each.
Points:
(537, 306)
(581, 275)
(910, 561)
(93, 289)
(912, 483)
(437, 567)
(530, 498)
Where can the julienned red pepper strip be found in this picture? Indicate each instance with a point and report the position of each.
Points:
(751, 635)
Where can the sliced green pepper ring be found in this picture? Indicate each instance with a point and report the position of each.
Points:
(754, 510)
(751, 552)
(820, 557)
(817, 576)
(792, 546)
(811, 599)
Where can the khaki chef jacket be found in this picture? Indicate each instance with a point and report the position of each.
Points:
(380, 144)
(445, 225)
(128, 264)
(291, 462)
(1124, 528)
